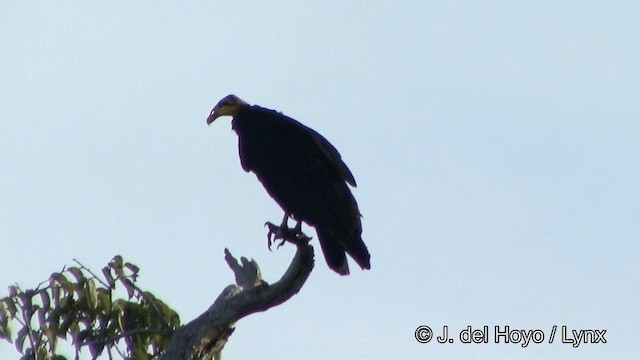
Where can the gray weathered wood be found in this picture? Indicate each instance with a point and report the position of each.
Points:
(204, 337)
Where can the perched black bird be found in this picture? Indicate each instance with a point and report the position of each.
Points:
(303, 173)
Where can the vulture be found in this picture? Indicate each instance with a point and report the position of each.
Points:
(304, 174)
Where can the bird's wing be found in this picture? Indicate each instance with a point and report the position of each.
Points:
(333, 156)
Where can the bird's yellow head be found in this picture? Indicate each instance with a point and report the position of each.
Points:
(229, 105)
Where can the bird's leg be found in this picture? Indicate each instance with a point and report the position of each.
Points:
(285, 221)
(284, 233)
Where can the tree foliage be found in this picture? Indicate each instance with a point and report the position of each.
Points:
(79, 306)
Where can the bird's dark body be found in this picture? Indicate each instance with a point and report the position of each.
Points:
(306, 176)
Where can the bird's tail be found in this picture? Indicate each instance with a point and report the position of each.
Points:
(335, 249)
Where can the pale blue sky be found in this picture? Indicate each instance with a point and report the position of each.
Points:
(496, 146)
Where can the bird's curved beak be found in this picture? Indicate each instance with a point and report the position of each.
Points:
(212, 116)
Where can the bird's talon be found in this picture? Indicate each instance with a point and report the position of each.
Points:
(282, 233)
(275, 233)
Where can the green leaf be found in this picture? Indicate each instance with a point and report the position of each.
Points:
(128, 285)
(5, 332)
(51, 333)
(77, 273)
(11, 307)
(104, 300)
(27, 307)
(149, 296)
(55, 293)
(140, 352)
(116, 264)
(95, 350)
(54, 322)
(134, 270)
(42, 353)
(91, 294)
(82, 335)
(67, 319)
(4, 313)
(78, 289)
(41, 318)
(106, 272)
(22, 335)
(118, 260)
(59, 279)
(46, 300)
(171, 317)
(122, 321)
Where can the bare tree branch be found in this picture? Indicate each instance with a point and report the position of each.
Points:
(204, 337)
